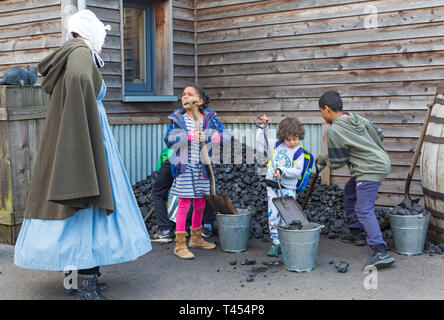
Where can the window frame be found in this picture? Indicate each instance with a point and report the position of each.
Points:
(148, 88)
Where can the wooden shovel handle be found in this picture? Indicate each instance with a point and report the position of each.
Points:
(207, 160)
(313, 182)
(417, 150)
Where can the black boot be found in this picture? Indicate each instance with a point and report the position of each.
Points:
(99, 285)
(355, 237)
(88, 288)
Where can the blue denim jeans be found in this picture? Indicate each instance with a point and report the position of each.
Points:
(359, 200)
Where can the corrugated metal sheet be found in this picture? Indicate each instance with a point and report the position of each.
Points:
(141, 144)
(247, 134)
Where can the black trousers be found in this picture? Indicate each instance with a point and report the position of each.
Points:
(159, 193)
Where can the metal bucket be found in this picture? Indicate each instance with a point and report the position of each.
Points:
(234, 230)
(409, 233)
(299, 247)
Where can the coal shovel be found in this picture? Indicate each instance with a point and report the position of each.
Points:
(220, 203)
(289, 209)
(386, 223)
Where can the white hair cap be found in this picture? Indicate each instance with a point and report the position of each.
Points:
(87, 25)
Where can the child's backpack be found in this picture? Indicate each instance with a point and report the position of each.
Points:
(307, 167)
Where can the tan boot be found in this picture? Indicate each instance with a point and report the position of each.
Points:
(181, 249)
(196, 240)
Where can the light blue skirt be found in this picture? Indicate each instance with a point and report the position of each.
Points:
(90, 237)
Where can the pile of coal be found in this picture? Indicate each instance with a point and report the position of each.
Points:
(142, 191)
(244, 183)
(432, 249)
(407, 208)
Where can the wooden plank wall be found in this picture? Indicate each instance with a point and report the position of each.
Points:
(184, 58)
(280, 56)
(29, 30)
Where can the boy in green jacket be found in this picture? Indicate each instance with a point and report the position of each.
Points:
(356, 142)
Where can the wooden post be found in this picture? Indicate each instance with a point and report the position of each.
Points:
(325, 174)
(23, 111)
(68, 7)
(164, 47)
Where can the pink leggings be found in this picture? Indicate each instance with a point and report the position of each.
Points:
(182, 211)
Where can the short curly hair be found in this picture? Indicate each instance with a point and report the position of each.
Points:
(290, 127)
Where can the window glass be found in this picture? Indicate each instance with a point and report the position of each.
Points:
(134, 45)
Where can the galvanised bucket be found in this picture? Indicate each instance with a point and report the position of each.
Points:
(409, 233)
(234, 230)
(299, 247)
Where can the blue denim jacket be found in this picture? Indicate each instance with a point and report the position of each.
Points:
(176, 137)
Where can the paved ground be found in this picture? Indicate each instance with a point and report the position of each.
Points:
(160, 275)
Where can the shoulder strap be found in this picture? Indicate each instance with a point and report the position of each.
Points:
(298, 152)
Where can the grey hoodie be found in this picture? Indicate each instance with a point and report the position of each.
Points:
(357, 142)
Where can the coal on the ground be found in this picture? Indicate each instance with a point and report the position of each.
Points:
(342, 266)
(250, 261)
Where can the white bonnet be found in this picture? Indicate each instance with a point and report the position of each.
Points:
(87, 25)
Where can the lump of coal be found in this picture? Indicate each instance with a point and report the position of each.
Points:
(408, 208)
(295, 225)
(259, 269)
(250, 261)
(342, 266)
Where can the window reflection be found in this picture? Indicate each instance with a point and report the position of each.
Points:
(134, 45)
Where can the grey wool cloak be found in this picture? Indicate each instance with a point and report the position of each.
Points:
(71, 171)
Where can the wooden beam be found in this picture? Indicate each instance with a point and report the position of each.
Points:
(68, 7)
(325, 174)
(164, 48)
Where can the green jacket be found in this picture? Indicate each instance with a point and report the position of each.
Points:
(165, 154)
(357, 143)
(71, 171)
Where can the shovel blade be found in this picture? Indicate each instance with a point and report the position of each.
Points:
(290, 210)
(221, 204)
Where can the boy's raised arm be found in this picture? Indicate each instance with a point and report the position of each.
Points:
(338, 152)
